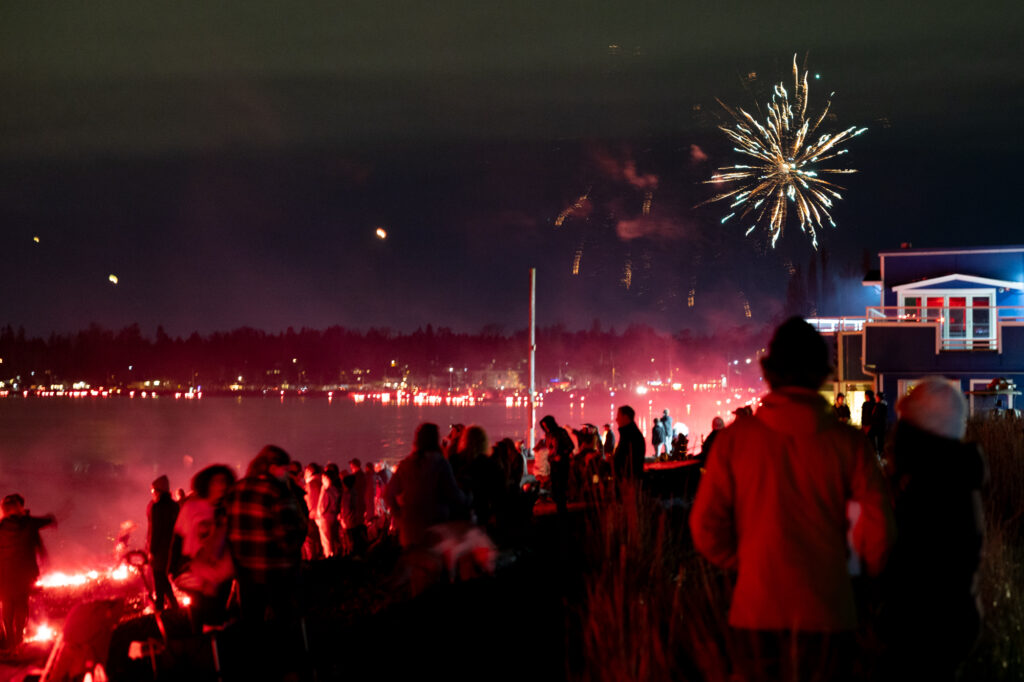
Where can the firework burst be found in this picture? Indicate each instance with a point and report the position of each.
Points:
(786, 174)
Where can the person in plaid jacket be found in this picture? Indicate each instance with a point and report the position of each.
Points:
(266, 530)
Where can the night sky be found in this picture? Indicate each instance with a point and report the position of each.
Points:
(230, 163)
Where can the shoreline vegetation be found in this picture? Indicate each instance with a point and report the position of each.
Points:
(654, 609)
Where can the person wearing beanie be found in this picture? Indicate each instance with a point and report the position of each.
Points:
(161, 515)
(772, 506)
(930, 617)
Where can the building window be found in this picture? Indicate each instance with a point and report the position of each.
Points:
(965, 316)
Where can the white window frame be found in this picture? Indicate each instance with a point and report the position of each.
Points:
(968, 294)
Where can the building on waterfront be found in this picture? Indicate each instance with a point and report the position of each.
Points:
(957, 313)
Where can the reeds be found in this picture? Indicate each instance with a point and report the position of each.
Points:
(1000, 651)
(652, 609)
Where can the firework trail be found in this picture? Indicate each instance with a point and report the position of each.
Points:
(576, 260)
(787, 165)
(572, 209)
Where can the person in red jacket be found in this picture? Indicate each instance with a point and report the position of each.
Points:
(773, 506)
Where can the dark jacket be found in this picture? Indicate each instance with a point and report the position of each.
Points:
(658, 433)
(161, 516)
(930, 580)
(609, 443)
(422, 492)
(20, 544)
(628, 459)
(353, 500)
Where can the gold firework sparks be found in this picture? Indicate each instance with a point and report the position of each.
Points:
(576, 260)
(575, 207)
(627, 274)
(746, 305)
(648, 196)
(787, 165)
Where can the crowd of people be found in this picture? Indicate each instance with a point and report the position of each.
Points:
(794, 501)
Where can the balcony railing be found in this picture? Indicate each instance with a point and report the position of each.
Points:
(831, 325)
(960, 327)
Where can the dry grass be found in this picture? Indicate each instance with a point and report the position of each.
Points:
(654, 610)
(649, 599)
(1000, 651)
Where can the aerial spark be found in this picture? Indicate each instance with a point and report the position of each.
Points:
(575, 207)
(787, 166)
(382, 233)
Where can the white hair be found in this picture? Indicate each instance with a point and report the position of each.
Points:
(935, 405)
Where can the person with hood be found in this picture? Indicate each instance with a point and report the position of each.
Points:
(161, 514)
(20, 549)
(929, 615)
(772, 506)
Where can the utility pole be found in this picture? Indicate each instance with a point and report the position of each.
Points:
(533, 358)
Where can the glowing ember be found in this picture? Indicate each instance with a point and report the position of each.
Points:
(43, 633)
(113, 279)
(382, 233)
(58, 579)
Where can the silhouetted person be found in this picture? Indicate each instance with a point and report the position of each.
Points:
(867, 411)
(423, 492)
(717, 424)
(773, 506)
(879, 423)
(608, 444)
(559, 446)
(20, 548)
(353, 506)
(161, 514)
(628, 460)
(483, 480)
(842, 409)
(658, 437)
(930, 617)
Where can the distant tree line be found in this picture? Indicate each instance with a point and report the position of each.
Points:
(597, 356)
